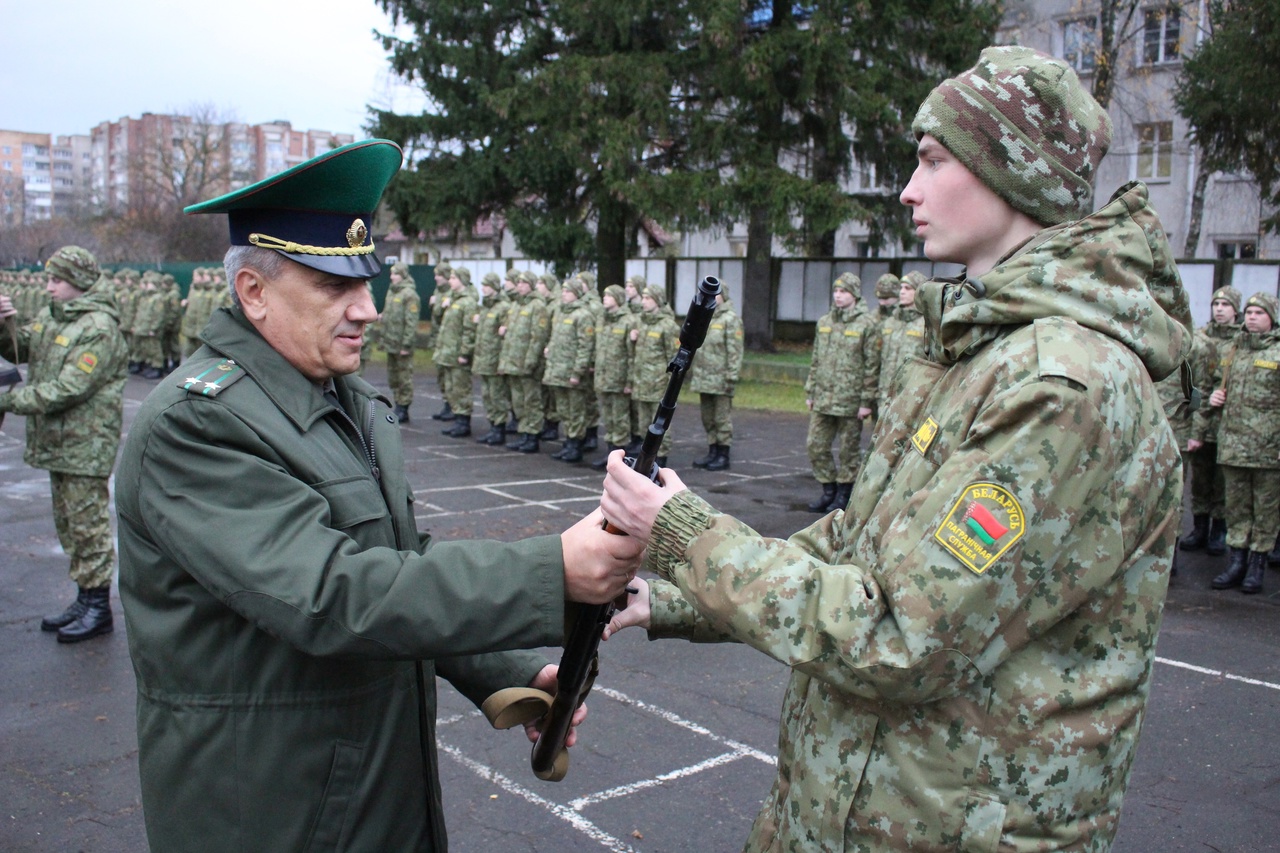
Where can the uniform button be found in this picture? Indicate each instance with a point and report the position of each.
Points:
(390, 419)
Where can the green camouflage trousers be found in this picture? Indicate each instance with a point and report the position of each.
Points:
(1253, 507)
(457, 389)
(147, 349)
(366, 353)
(571, 404)
(1208, 485)
(526, 402)
(615, 408)
(82, 518)
(400, 378)
(823, 429)
(593, 399)
(495, 394)
(549, 403)
(646, 413)
(717, 419)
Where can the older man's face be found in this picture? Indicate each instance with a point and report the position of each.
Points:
(316, 320)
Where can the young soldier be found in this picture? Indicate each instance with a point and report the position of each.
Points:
(148, 319)
(715, 373)
(902, 338)
(841, 390)
(634, 288)
(527, 331)
(614, 349)
(569, 352)
(657, 338)
(972, 638)
(74, 403)
(1208, 484)
(455, 346)
(398, 331)
(887, 289)
(548, 289)
(1249, 445)
(495, 393)
(439, 301)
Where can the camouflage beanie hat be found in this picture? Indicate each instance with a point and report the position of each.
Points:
(656, 294)
(462, 274)
(1267, 303)
(619, 295)
(887, 286)
(527, 277)
(444, 270)
(850, 283)
(1228, 294)
(915, 278)
(1022, 123)
(638, 282)
(491, 279)
(74, 265)
(401, 269)
(549, 281)
(576, 286)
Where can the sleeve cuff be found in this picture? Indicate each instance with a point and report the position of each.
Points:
(679, 521)
(671, 616)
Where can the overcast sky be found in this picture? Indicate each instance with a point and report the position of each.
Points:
(66, 65)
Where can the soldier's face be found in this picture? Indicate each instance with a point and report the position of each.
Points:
(957, 216)
(1256, 320)
(906, 295)
(396, 278)
(842, 298)
(61, 291)
(314, 319)
(567, 296)
(609, 302)
(1223, 313)
(648, 303)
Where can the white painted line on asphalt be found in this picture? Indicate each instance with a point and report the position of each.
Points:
(687, 724)
(623, 790)
(565, 813)
(573, 482)
(1219, 673)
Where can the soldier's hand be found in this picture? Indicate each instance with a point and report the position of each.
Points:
(631, 501)
(1218, 398)
(1194, 444)
(598, 565)
(6, 307)
(635, 613)
(864, 413)
(545, 681)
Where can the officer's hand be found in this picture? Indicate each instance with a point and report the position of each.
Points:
(635, 613)
(6, 307)
(598, 565)
(545, 681)
(631, 501)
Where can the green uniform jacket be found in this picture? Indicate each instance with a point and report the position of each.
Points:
(493, 315)
(571, 346)
(398, 329)
(284, 613)
(718, 362)
(657, 341)
(614, 349)
(1215, 350)
(846, 361)
(457, 337)
(971, 642)
(74, 393)
(527, 330)
(1249, 433)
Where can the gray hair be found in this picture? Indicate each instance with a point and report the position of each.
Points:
(268, 262)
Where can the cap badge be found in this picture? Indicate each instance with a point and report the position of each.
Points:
(356, 234)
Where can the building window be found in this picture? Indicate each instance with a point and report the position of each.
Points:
(1080, 44)
(1237, 250)
(1155, 150)
(1161, 35)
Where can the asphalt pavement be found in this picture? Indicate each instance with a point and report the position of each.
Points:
(678, 749)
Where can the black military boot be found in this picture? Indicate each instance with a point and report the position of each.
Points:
(592, 439)
(496, 435)
(1274, 557)
(1233, 574)
(841, 500)
(1217, 544)
(1199, 535)
(512, 424)
(1253, 577)
(824, 501)
(445, 414)
(603, 462)
(135, 367)
(73, 612)
(713, 450)
(461, 427)
(401, 414)
(517, 441)
(721, 462)
(530, 444)
(572, 450)
(149, 372)
(634, 445)
(95, 620)
(550, 432)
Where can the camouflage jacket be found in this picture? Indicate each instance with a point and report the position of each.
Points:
(198, 309)
(493, 315)
(718, 361)
(572, 345)
(902, 339)
(846, 361)
(398, 329)
(657, 340)
(148, 314)
(74, 393)
(614, 349)
(1215, 350)
(457, 338)
(1249, 433)
(971, 642)
(528, 328)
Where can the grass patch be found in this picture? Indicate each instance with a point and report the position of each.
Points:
(770, 396)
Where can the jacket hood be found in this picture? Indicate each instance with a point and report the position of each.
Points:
(1112, 272)
(96, 298)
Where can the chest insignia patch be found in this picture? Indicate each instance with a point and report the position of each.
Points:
(88, 361)
(982, 525)
(61, 340)
(925, 435)
(1265, 365)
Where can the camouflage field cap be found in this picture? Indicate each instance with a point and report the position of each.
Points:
(444, 270)
(1267, 303)
(576, 285)
(1024, 125)
(588, 278)
(401, 269)
(619, 295)
(638, 282)
(915, 278)
(492, 280)
(318, 213)
(74, 265)
(887, 286)
(658, 294)
(1229, 295)
(527, 277)
(850, 283)
(549, 281)
(462, 274)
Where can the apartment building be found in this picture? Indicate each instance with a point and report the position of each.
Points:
(41, 175)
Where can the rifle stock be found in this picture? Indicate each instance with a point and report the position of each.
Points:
(579, 664)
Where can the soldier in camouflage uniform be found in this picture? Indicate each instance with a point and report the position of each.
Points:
(495, 390)
(841, 390)
(614, 349)
(527, 331)
(1208, 484)
(634, 288)
(657, 338)
(148, 323)
(398, 332)
(887, 288)
(171, 322)
(128, 298)
(972, 638)
(715, 374)
(569, 352)
(199, 301)
(548, 289)
(74, 403)
(438, 302)
(902, 336)
(455, 347)
(1249, 445)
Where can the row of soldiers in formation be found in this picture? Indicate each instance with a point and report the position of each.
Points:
(160, 327)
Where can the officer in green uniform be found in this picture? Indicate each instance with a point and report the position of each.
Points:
(972, 639)
(398, 330)
(715, 374)
(74, 403)
(286, 619)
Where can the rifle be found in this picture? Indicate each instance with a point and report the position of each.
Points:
(580, 662)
